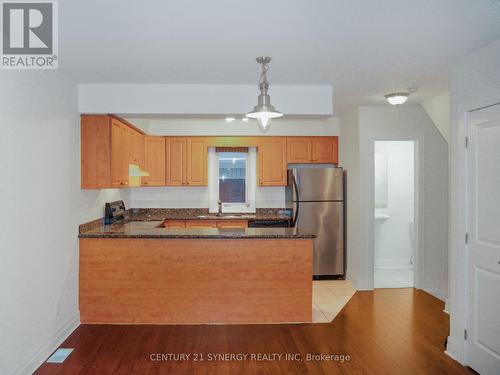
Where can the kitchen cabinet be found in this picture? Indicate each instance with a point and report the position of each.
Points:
(321, 150)
(325, 150)
(108, 145)
(187, 161)
(205, 224)
(232, 224)
(154, 162)
(174, 224)
(272, 163)
(197, 162)
(201, 224)
(299, 149)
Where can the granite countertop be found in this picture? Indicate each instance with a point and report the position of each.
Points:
(154, 214)
(151, 229)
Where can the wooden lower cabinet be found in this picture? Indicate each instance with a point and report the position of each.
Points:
(174, 224)
(205, 224)
(201, 224)
(193, 281)
(232, 224)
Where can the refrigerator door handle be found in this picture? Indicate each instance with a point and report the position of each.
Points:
(297, 205)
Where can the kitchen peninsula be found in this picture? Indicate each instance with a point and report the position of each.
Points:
(140, 272)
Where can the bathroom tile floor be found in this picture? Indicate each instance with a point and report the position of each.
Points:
(329, 297)
(393, 278)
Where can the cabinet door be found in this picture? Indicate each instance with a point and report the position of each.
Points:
(325, 150)
(175, 160)
(201, 224)
(299, 149)
(197, 162)
(174, 224)
(127, 151)
(117, 140)
(154, 161)
(272, 161)
(232, 224)
(138, 149)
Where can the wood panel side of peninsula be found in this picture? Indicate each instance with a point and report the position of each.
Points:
(192, 281)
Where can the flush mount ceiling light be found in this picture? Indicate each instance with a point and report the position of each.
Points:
(264, 111)
(230, 119)
(397, 98)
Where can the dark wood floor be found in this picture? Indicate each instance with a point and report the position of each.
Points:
(389, 331)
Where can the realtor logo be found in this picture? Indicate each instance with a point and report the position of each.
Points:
(29, 35)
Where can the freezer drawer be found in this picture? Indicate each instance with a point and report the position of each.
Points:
(326, 219)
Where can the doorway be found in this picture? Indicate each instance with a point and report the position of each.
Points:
(395, 242)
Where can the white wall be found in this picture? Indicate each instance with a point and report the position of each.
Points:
(438, 109)
(396, 123)
(197, 99)
(393, 247)
(474, 83)
(197, 197)
(349, 159)
(42, 206)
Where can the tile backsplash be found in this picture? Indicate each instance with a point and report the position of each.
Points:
(196, 197)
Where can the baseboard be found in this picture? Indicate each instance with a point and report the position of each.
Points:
(452, 348)
(447, 306)
(34, 360)
(363, 284)
(439, 294)
(348, 277)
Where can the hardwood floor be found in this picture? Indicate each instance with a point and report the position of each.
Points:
(389, 331)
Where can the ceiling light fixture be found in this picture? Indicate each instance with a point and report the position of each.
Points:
(230, 119)
(397, 98)
(245, 119)
(264, 111)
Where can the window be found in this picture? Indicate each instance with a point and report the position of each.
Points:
(232, 179)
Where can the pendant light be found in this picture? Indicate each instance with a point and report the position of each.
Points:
(264, 111)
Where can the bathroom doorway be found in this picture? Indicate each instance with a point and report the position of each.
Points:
(395, 230)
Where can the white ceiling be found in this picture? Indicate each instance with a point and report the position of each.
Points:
(364, 48)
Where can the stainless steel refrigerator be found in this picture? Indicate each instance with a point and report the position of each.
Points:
(316, 196)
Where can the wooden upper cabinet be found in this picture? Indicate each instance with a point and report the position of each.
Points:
(197, 162)
(272, 161)
(299, 149)
(187, 161)
(175, 160)
(321, 150)
(119, 154)
(154, 161)
(325, 150)
(138, 155)
(108, 145)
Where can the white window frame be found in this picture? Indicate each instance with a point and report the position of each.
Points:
(213, 184)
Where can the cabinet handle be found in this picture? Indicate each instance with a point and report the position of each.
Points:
(123, 183)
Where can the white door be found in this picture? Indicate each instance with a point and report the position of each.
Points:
(483, 251)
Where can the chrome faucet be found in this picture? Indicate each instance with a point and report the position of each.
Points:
(219, 206)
